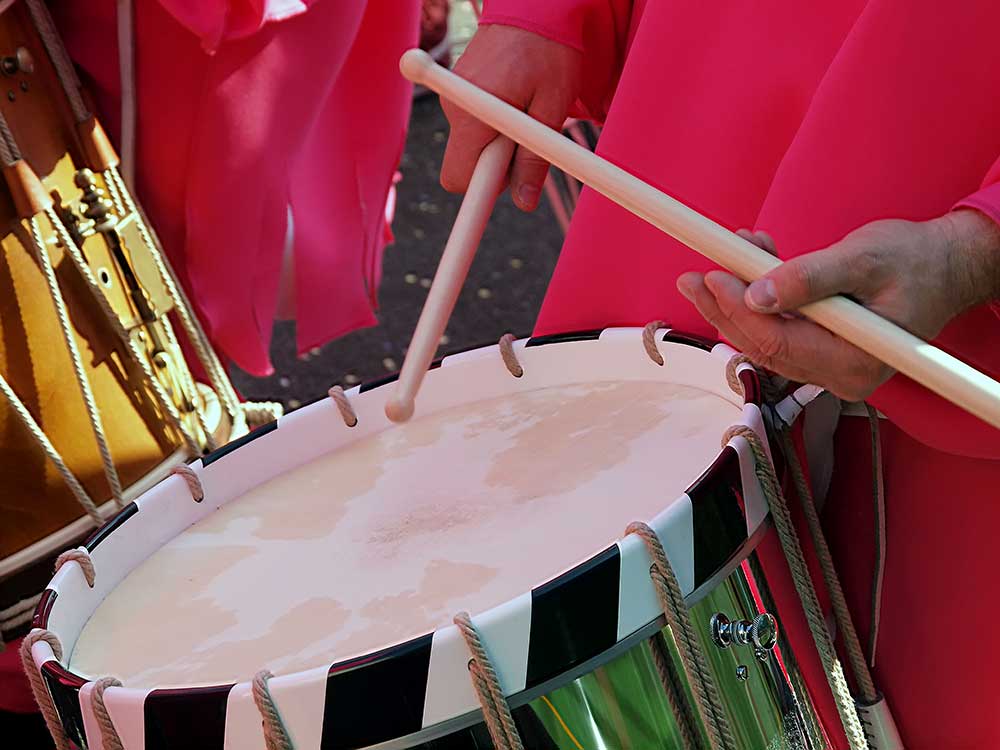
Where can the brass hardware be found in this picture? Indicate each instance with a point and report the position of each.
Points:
(132, 280)
(98, 208)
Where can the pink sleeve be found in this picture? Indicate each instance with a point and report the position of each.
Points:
(597, 28)
(987, 200)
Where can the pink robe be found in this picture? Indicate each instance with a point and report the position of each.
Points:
(807, 120)
(245, 109)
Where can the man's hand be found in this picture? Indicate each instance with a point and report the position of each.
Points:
(528, 71)
(917, 274)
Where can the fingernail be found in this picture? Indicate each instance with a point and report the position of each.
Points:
(762, 295)
(528, 195)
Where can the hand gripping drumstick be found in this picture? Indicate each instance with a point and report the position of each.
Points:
(937, 370)
(486, 184)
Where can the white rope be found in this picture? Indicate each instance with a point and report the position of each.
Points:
(41, 254)
(36, 432)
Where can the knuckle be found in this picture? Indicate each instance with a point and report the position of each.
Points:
(871, 264)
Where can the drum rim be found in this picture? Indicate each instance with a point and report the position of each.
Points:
(66, 686)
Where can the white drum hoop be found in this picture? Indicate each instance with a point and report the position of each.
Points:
(420, 689)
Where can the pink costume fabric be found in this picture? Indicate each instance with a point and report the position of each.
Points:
(247, 109)
(244, 109)
(808, 120)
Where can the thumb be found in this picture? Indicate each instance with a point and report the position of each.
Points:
(527, 176)
(807, 278)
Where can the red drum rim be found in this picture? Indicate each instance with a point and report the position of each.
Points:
(419, 689)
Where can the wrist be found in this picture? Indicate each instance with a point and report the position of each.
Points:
(971, 240)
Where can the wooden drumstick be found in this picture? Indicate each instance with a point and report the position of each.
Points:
(937, 370)
(484, 187)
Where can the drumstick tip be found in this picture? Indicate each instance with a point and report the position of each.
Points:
(399, 409)
(414, 63)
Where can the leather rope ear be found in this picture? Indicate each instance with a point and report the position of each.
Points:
(188, 474)
(344, 405)
(649, 340)
(506, 345)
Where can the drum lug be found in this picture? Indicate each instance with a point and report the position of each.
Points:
(761, 633)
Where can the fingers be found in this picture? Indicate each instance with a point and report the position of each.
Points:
(528, 173)
(798, 349)
(839, 269)
(760, 238)
(467, 139)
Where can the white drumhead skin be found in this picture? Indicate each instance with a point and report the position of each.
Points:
(387, 538)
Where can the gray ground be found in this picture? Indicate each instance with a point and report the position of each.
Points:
(503, 291)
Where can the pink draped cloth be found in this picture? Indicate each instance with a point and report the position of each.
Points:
(247, 108)
(807, 120)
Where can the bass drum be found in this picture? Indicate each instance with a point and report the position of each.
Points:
(58, 481)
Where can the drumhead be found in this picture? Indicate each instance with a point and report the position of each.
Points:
(321, 551)
(390, 536)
